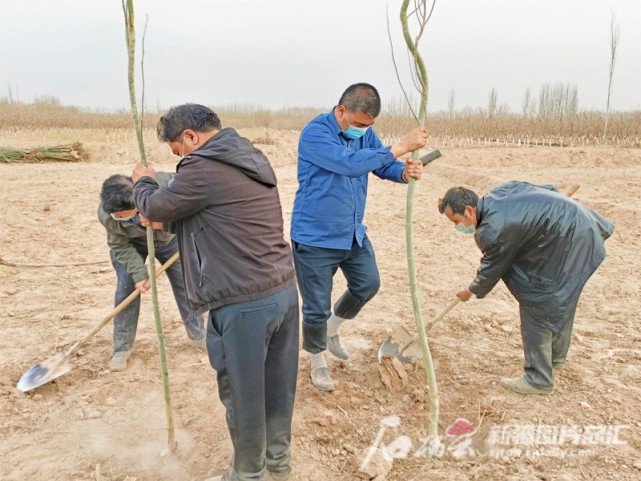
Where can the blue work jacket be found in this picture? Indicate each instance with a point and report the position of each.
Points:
(332, 183)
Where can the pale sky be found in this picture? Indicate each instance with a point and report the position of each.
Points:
(304, 53)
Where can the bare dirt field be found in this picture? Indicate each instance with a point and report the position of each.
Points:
(91, 424)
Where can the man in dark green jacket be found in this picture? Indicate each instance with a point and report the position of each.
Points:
(544, 246)
(127, 240)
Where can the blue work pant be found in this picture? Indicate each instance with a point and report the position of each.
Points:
(315, 269)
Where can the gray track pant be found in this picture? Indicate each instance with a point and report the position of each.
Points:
(253, 346)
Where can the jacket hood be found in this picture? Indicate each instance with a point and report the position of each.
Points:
(230, 148)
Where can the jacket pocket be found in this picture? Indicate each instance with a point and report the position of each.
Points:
(542, 284)
(196, 260)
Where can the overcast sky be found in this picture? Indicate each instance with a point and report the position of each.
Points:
(305, 52)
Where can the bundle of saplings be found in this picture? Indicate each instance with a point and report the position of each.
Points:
(56, 153)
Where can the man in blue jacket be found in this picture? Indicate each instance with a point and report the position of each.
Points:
(545, 246)
(336, 153)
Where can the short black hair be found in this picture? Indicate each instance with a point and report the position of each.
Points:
(116, 194)
(187, 116)
(362, 97)
(457, 198)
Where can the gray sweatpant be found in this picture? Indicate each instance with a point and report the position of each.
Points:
(253, 346)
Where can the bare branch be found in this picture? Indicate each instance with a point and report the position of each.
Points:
(614, 41)
(398, 77)
(142, 72)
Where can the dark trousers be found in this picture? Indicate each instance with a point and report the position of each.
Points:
(315, 269)
(126, 322)
(544, 348)
(253, 346)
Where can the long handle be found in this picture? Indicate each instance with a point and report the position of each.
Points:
(441, 314)
(119, 308)
(573, 190)
(430, 156)
(434, 320)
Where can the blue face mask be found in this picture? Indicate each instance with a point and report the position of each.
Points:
(465, 229)
(354, 132)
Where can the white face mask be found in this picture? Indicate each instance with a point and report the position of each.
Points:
(182, 149)
(122, 219)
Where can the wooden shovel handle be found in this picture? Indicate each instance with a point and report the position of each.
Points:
(573, 190)
(441, 314)
(434, 320)
(120, 307)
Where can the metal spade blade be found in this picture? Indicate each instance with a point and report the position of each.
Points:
(46, 371)
(395, 346)
(396, 349)
(58, 365)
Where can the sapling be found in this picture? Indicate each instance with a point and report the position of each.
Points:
(420, 12)
(130, 33)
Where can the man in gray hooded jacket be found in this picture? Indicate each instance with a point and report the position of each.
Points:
(237, 265)
(545, 246)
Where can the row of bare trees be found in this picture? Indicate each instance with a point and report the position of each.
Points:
(554, 101)
(478, 123)
(557, 118)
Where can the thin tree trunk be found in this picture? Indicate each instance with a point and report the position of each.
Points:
(421, 73)
(128, 10)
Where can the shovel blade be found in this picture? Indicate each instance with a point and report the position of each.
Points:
(389, 348)
(393, 344)
(45, 372)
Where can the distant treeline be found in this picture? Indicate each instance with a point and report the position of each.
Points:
(551, 120)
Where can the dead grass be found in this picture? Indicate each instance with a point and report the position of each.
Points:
(39, 122)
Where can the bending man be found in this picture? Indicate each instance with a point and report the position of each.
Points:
(545, 246)
(127, 240)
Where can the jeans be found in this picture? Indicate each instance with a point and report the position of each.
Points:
(315, 269)
(253, 346)
(126, 322)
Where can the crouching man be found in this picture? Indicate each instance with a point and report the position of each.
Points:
(127, 240)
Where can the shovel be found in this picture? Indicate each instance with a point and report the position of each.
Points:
(393, 349)
(58, 365)
(389, 347)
